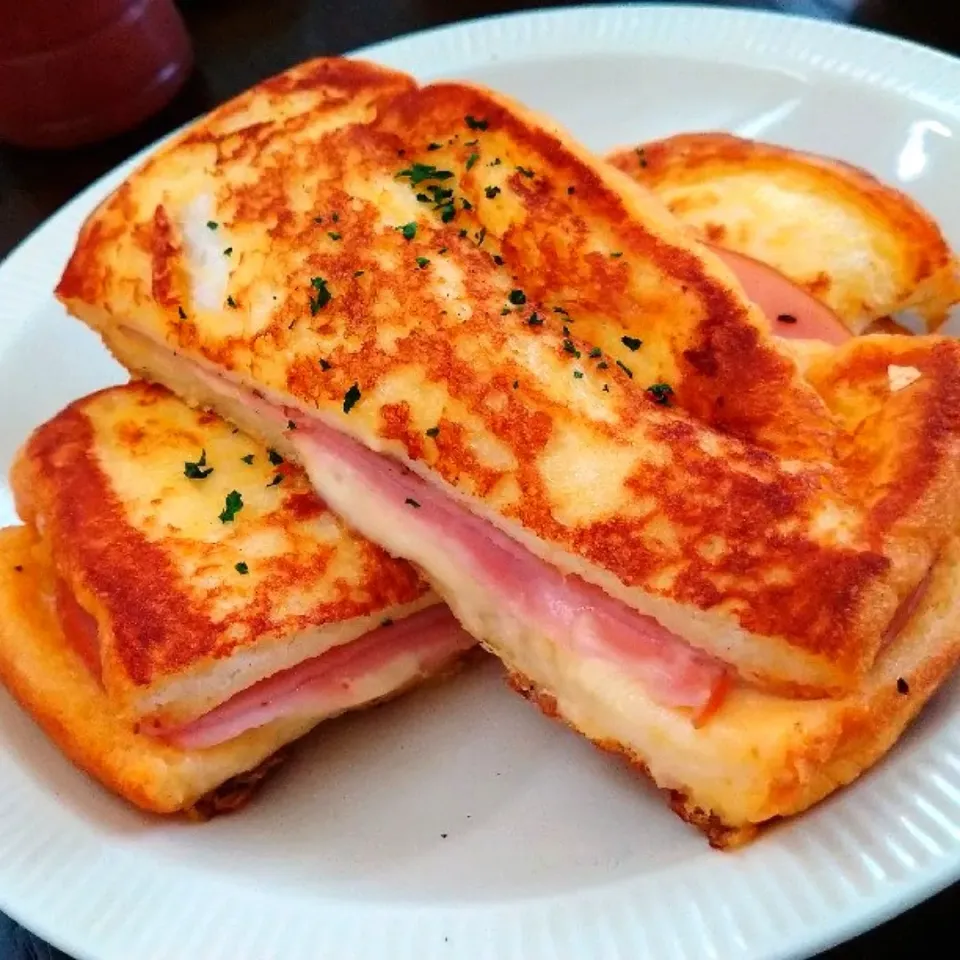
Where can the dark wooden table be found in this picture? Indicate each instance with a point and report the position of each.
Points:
(238, 42)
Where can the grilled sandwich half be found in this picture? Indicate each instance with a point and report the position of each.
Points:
(180, 604)
(856, 245)
(505, 361)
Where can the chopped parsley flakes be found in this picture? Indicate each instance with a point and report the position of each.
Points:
(631, 343)
(472, 159)
(182, 313)
(491, 192)
(324, 364)
(625, 369)
(433, 431)
(409, 230)
(595, 352)
(212, 224)
(578, 374)
(333, 235)
(231, 302)
(350, 398)
(277, 479)
(660, 393)
(421, 172)
(433, 146)
(274, 457)
(358, 273)
(474, 124)
(231, 506)
(413, 503)
(517, 297)
(535, 319)
(570, 347)
(422, 262)
(228, 251)
(525, 171)
(248, 459)
(195, 471)
(322, 296)
(241, 567)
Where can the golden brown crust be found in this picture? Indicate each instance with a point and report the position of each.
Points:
(739, 500)
(770, 202)
(51, 682)
(53, 685)
(144, 550)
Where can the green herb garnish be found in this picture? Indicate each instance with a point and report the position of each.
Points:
(248, 459)
(535, 320)
(324, 364)
(231, 302)
(413, 503)
(409, 230)
(595, 352)
(631, 343)
(421, 172)
(422, 262)
(195, 471)
(472, 159)
(227, 251)
(274, 457)
(578, 374)
(660, 393)
(333, 235)
(474, 124)
(277, 479)
(517, 297)
(241, 567)
(570, 347)
(212, 224)
(181, 313)
(625, 369)
(350, 398)
(322, 296)
(526, 171)
(231, 507)
(433, 431)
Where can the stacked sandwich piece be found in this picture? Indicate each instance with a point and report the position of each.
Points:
(503, 360)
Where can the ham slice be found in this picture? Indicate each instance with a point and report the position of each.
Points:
(792, 312)
(380, 663)
(573, 613)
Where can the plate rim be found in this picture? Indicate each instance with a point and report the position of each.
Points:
(543, 918)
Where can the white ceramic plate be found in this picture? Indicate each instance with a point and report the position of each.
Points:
(461, 824)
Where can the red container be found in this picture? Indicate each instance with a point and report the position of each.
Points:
(77, 71)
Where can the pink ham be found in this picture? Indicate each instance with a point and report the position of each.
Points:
(792, 312)
(326, 685)
(573, 613)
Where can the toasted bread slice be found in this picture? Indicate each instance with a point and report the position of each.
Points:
(858, 245)
(761, 757)
(40, 666)
(54, 685)
(195, 597)
(460, 286)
